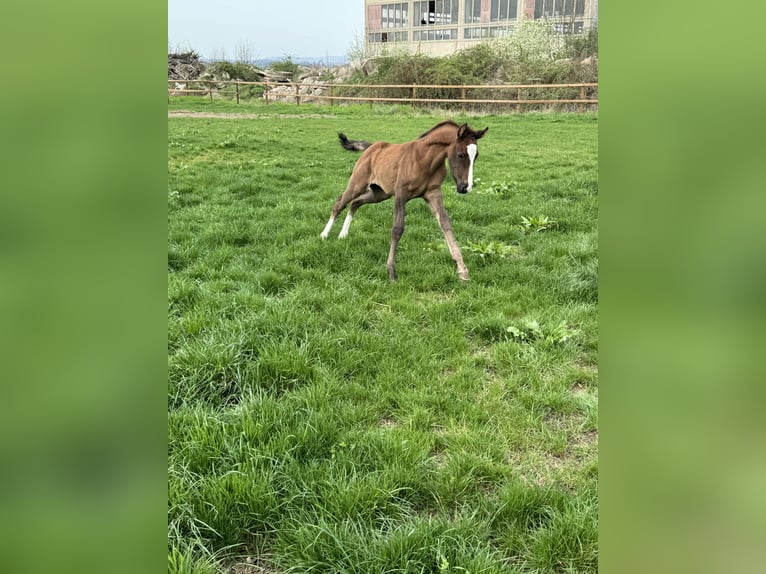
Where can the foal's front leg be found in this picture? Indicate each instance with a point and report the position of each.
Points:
(435, 201)
(396, 234)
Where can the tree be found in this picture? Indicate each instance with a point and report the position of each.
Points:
(244, 52)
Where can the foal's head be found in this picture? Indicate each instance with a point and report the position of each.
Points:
(462, 156)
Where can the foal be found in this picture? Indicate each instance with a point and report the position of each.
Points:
(406, 171)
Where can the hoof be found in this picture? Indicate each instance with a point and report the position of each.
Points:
(464, 276)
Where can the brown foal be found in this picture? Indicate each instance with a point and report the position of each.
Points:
(406, 171)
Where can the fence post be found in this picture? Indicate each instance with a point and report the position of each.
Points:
(518, 98)
(331, 89)
(297, 95)
(581, 107)
(462, 97)
(414, 95)
(266, 92)
(236, 84)
(210, 90)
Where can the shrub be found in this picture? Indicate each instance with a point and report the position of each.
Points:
(582, 45)
(244, 72)
(534, 42)
(286, 64)
(534, 53)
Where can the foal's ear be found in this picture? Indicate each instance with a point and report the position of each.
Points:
(462, 131)
(481, 133)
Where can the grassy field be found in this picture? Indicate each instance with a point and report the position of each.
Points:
(324, 419)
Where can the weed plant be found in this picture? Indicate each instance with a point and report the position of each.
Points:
(285, 64)
(324, 419)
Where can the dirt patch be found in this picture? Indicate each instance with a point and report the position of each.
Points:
(544, 468)
(428, 297)
(584, 440)
(251, 565)
(579, 388)
(388, 423)
(238, 116)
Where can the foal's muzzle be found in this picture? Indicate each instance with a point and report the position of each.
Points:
(463, 188)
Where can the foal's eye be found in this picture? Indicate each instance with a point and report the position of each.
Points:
(461, 155)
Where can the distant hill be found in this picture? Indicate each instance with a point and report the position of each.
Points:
(307, 60)
(300, 60)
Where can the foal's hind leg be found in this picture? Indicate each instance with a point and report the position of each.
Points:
(396, 234)
(374, 194)
(352, 191)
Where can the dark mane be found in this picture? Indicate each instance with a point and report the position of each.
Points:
(437, 126)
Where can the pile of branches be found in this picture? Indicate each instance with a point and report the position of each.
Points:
(185, 66)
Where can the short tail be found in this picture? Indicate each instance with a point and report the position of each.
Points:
(353, 145)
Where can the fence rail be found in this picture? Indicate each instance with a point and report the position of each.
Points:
(580, 95)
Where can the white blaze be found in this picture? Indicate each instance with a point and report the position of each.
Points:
(471, 149)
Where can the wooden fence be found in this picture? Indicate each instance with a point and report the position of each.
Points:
(582, 96)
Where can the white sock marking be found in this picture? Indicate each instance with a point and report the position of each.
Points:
(346, 224)
(327, 228)
(471, 149)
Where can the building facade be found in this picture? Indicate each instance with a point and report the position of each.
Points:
(441, 27)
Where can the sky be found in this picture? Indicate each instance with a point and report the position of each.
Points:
(269, 28)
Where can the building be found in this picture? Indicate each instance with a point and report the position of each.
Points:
(441, 27)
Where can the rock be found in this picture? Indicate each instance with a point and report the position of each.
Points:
(369, 66)
(277, 76)
(186, 66)
(310, 82)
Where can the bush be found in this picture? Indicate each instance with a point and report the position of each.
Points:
(286, 64)
(582, 46)
(534, 42)
(244, 72)
(534, 53)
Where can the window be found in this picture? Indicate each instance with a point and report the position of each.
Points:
(394, 15)
(557, 8)
(432, 12)
(487, 32)
(503, 10)
(565, 14)
(472, 11)
(376, 37)
(423, 13)
(431, 34)
(469, 33)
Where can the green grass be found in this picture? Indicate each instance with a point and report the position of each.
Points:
(323, 419)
